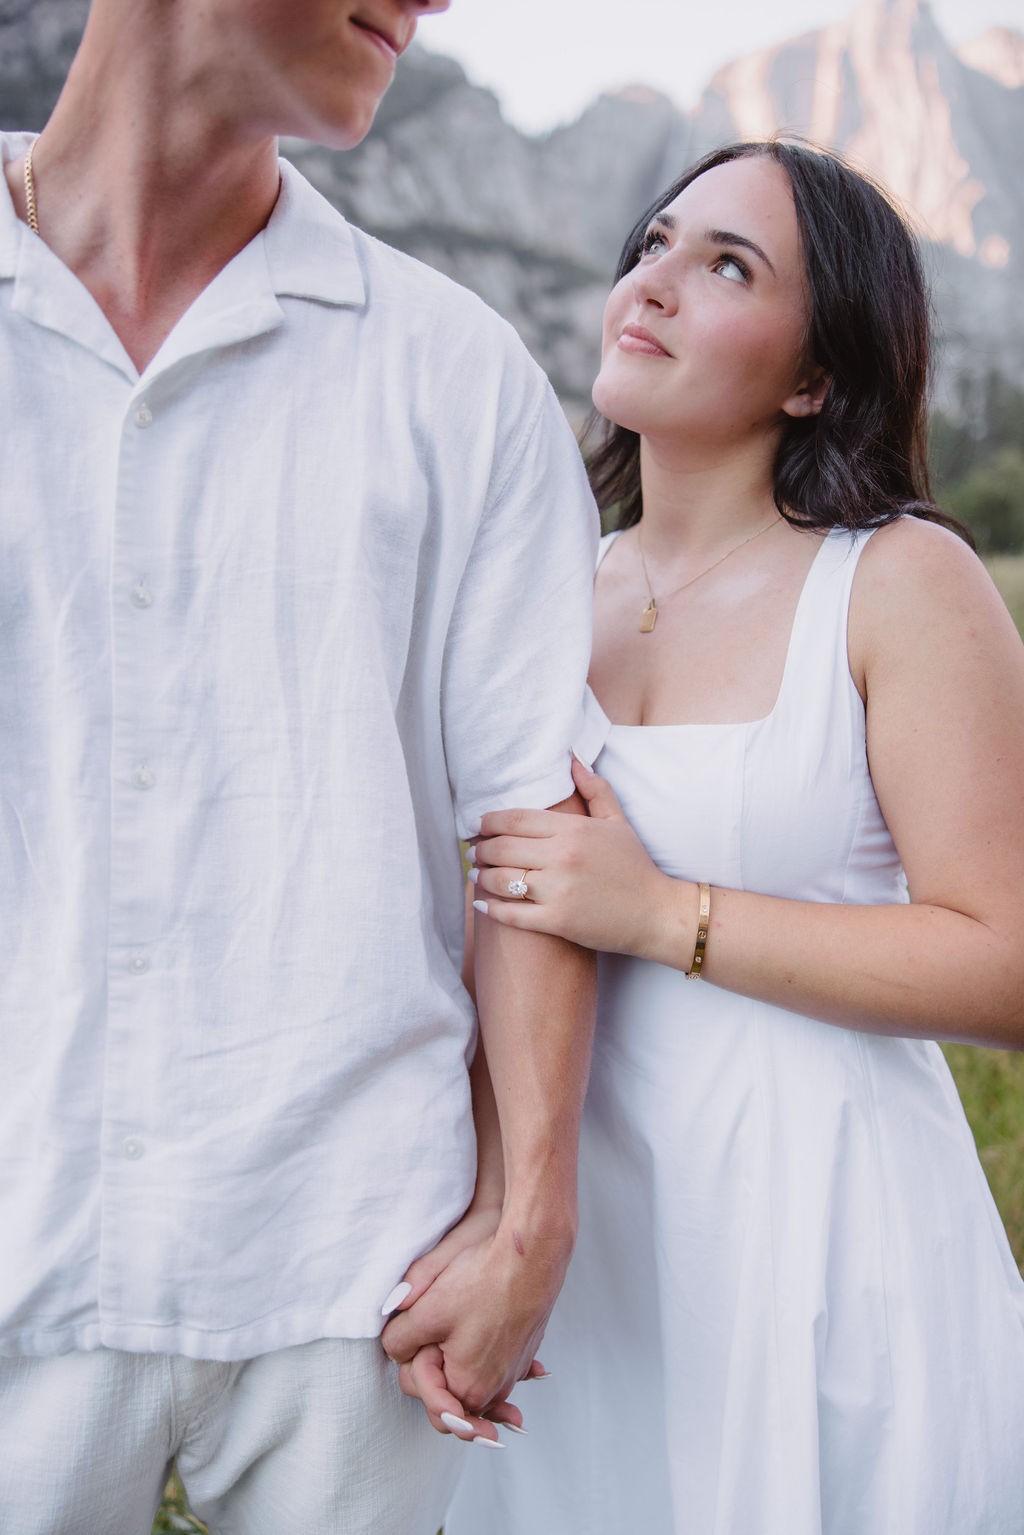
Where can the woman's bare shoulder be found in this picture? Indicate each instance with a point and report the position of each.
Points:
(912, 552)
(920, 587)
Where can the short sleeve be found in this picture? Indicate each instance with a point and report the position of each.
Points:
(518, 645)
(592, 727)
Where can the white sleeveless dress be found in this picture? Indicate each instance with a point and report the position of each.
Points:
(793, 1309)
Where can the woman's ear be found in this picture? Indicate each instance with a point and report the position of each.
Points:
(808, 398)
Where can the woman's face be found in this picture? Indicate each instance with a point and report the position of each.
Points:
(705, 340)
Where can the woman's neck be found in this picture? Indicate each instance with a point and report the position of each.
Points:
(697, 504)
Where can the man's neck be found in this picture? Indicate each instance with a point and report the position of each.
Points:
(143, 195)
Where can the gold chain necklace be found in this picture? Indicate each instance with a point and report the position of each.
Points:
(649, 616)
(30, 192)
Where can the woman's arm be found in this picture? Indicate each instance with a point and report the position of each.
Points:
(942, 670)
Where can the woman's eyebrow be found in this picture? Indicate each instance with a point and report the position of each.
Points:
(729, 237)
(715, 237)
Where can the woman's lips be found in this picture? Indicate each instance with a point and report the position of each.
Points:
(634, 338)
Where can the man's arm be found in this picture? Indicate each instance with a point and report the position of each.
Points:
(536, 1009)
(488, 1308)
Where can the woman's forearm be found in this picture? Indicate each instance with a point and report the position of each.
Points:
(915, 970)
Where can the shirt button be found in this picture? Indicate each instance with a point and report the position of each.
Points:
(138, 964)
(142, 778)
(143, 416)
(132, 1149)
(141, 595)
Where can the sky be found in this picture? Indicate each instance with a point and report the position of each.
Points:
(548, 59)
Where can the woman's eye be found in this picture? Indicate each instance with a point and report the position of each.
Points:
(730, 267)
(654, 240)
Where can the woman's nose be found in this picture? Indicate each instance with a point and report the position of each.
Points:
(653, 283)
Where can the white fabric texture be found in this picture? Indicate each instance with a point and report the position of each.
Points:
(279, 619)
(312, 1440)
(793, 1309)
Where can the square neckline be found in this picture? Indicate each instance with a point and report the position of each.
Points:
(786, 667)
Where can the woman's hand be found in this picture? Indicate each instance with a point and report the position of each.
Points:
(423, 1376)
(590, 880)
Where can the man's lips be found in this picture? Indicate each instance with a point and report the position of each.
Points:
(385, 40)
(634, 338)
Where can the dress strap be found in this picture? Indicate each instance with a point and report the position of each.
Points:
(604, 546)
(818, 663)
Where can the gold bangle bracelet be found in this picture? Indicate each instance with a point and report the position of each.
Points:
(703, 923)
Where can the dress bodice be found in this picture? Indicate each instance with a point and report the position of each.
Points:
(782, 805)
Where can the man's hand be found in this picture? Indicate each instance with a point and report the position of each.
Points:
(486, 1313)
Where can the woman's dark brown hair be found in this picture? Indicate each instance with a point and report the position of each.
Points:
(861, 461)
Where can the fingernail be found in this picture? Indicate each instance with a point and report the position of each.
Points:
(473, 826)
(474, 875)
(396, 1297)
(457, 1425)
(546, 1376)
(481, 907)
(514, 1428)
(471, 855)
(492, 1444)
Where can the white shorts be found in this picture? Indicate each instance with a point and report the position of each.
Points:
(313, 1440)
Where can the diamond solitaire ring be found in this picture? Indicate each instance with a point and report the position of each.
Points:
(519, 886)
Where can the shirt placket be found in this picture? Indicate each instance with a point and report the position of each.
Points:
(140, 773)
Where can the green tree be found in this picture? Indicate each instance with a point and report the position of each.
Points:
(990, 500)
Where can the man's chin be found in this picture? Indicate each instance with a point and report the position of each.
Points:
(340, 130)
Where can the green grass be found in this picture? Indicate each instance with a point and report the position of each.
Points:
(990, 1082)
(174, 1514)
(991, 1085)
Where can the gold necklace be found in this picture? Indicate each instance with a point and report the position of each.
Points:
(30, 192)
(649, 616)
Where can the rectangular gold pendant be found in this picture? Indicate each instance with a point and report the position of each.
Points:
(649, 617)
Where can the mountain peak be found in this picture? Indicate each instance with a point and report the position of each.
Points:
(999, 52)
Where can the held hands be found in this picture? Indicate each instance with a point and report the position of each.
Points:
(470, 1324)
(468, 1327)
(589, 879)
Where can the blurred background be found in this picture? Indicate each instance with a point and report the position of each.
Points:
(522, 138)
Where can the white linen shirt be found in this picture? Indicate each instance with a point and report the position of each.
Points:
(278, 620)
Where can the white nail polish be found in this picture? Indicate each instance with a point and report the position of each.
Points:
(481, 907)
(396, 1298)
(471, 855)
(546, 1376)
(474, 875)
(492, 1444)
(514, 1428)
(457, 1425)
